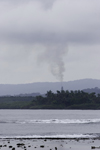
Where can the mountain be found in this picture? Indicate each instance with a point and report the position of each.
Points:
(43, 87)
(92, 90)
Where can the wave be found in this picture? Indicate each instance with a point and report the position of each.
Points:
(62, 121)
(55, 121)
(74, 136)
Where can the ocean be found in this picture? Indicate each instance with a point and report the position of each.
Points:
(49, 123)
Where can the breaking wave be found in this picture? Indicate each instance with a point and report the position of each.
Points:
(74, 136)
(51, 121)
(62, 121)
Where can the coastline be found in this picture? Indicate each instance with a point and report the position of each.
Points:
(49, 144)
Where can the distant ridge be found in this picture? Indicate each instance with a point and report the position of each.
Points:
(95, 90)
(43, 87)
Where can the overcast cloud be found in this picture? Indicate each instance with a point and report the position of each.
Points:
(49, 40)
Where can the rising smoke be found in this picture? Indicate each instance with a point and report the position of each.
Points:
(53, 55)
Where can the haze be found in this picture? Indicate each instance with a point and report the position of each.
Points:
(49, 40)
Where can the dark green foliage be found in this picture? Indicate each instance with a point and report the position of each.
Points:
(59, 100)
(67, 100)
(14, 102)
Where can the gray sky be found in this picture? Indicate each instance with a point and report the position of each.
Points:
(49, 40)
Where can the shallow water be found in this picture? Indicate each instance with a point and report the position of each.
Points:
(50, 123)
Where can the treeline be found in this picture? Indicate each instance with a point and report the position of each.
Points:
(59, 100)
(15, 102)
(67, 100)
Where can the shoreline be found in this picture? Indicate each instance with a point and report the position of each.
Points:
(50, 138)
(49, 144)
(97, 138)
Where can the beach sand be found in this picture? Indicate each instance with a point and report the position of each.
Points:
(49, 144)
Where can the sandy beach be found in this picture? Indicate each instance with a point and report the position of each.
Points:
(49, 144)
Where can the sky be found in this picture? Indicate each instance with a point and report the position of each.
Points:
(49, 40)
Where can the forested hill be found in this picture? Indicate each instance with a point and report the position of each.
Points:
(59, 100)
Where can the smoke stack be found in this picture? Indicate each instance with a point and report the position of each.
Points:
(62, 88)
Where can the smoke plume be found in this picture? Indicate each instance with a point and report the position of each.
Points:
(53, 55)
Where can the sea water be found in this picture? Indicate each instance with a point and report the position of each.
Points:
(49, 123)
